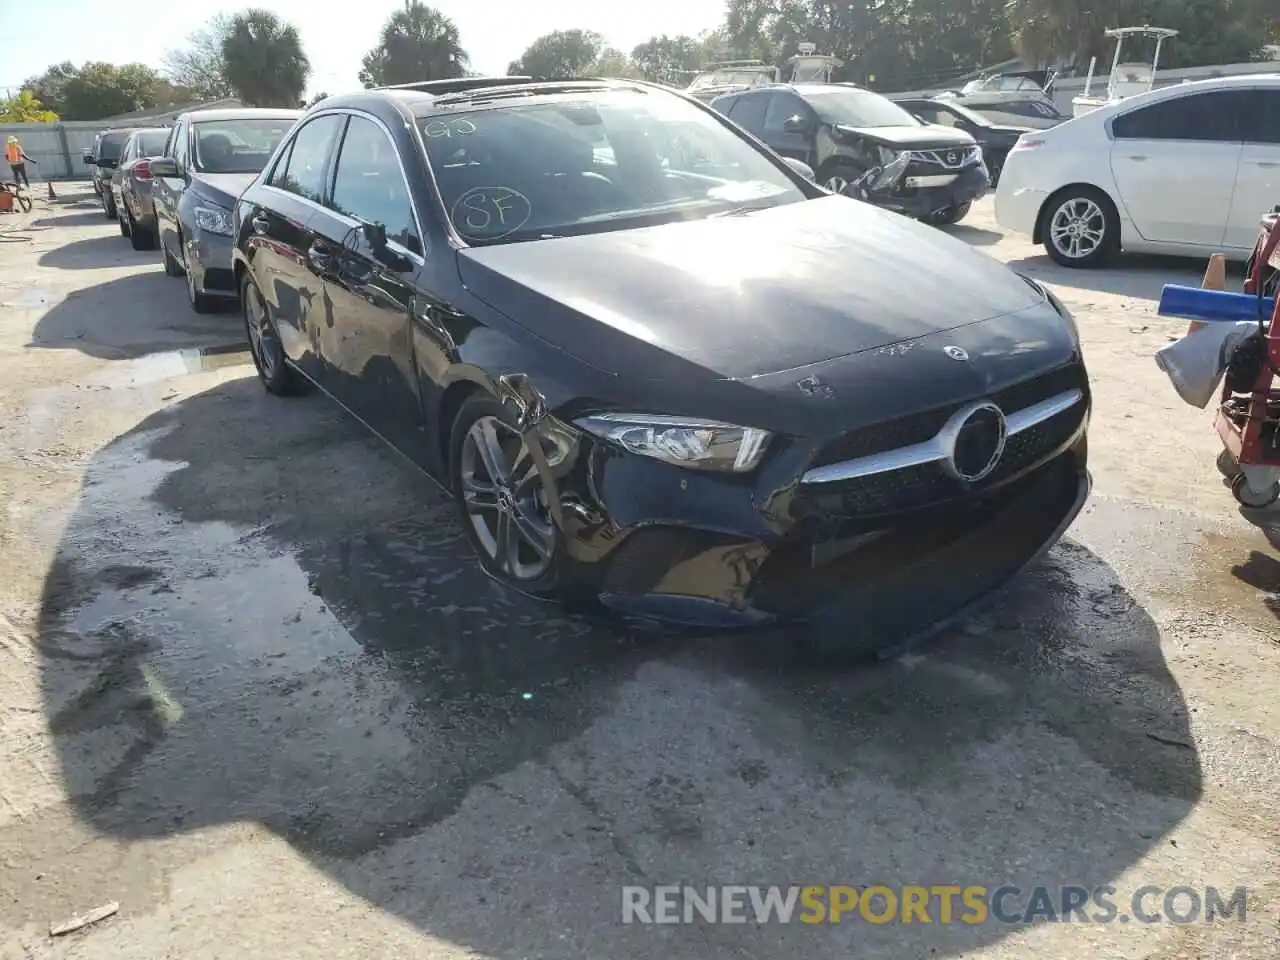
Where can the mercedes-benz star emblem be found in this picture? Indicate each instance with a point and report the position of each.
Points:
(977, 442)
(953, 158)
(956, 353)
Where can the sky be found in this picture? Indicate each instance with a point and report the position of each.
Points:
(334, 35)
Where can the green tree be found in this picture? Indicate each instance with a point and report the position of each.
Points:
(265, 63)
(25, 107)
(559, 55)
(417, 43)
(99, 90)
(316, 99)
(199, 66)
(668, 59)
(50, 87)
(613, 63)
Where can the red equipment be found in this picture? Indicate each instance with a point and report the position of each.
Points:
(1250, 426)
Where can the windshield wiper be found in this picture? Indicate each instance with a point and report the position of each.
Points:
(742, 209)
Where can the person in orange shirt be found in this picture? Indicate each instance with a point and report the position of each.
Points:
(18, 159)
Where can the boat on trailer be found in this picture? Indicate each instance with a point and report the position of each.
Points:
(1022, 99)
(1126, 79)
(730, 76)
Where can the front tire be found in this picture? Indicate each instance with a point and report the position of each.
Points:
(172, 268)
(950, 216)
(123, 221)
(1081, 228)
(840, 176)
(109, 204)
(200, 302)
(265, 346)
(139, 237)
(502, 501)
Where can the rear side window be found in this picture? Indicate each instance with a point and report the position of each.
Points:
(1262, 117)
(303, 172)
(368, 185)
(748, 111)
(151, 144)
(1215, 116)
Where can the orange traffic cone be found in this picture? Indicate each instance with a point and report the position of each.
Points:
(1215, 278)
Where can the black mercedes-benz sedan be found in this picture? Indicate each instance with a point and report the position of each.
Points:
(659, 370)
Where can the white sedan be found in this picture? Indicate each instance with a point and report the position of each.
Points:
(1186, 170)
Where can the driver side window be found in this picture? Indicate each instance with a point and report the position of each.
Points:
(782, 107)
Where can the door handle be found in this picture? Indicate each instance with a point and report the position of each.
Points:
(1136, 157)
(320, 256)
(1268, 164)
(260, 225)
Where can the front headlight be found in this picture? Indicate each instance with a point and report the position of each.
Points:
(213, 220)
(682, 441)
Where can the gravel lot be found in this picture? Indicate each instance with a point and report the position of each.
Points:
(254, 691)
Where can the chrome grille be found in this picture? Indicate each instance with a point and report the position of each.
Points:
(950, 159)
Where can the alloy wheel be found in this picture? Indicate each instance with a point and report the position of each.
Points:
(505, 500)
(263, 340)
(1078, 228)
(837, 184)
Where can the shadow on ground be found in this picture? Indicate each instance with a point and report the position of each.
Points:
(1132, 275)
(80, 218)
(93, 253)
(975, 236)
(139, 314)
(258, 614)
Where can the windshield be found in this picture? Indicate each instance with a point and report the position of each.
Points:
(614, 160)
(238, 146)
(112, 145)
(151, 143)
(858, 108)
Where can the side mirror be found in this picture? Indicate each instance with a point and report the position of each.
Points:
(802, 168)
(88, 158)
(165, 167)
(796, 124)
(375, 234)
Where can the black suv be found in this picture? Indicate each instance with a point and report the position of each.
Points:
(841, 131)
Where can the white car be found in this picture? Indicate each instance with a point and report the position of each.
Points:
(1186, 170)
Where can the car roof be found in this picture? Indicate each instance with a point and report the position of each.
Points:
(1173, 90)
(429, 97)
(243, 113)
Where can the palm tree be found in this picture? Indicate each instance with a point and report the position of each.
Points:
(25, 108)
(264, 61)
(416, 43)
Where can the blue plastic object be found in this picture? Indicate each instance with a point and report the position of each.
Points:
(1212, 306)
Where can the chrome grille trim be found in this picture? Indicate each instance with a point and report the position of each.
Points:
(936, 449)
(967, 155)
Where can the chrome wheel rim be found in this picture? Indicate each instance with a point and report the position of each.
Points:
(262, 338)
(505, 500)
(837, 184)
(1077, 228)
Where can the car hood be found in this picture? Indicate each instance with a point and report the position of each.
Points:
(739, 296)
(927, 137)
(222, 188)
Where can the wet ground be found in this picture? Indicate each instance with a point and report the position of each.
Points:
(255, 691)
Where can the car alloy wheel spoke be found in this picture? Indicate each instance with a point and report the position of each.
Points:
(1077, 228)
(837, 184)
(504, 500)
(485, 436)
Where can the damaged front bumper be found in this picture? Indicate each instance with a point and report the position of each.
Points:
(664, 543)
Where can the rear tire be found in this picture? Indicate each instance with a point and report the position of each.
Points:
(265, 346)
(840, 175)
(123, 220)
(1080, 228)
